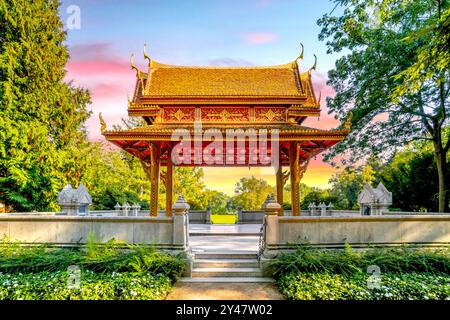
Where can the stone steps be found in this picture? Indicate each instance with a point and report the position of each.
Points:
(226, 263)
(228, 280)
(226, 266)
(225, 272)
(204, 255)
(232, 234)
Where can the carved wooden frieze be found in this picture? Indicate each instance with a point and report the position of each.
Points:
(179, 114)
(273, 114)
(225, 114)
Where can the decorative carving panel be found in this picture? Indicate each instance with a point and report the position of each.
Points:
(270, 114)
(179, 114)
(225, 114)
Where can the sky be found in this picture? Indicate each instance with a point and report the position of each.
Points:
(196, 32)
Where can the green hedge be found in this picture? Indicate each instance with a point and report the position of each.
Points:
(93, 286)
(324, 286)
(100, 258)
(110, 270)
(406, 273)
(348, 261)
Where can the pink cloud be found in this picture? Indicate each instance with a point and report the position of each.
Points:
(325, 121)
(109, 79)
(259, 37)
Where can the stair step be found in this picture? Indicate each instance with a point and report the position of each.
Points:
(202, 255)
(231, 234)
(228, 280)
(230, 263)
(226, 272)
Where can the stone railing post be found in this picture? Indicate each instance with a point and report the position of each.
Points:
(208, 214)
(310, 207)
(240, 218)
(117, 207)
(270, 235)
(323, 209)
(125, 208)
(330, 208)
(271, 209)
(181, 222)
(313, 208)
(135, 209)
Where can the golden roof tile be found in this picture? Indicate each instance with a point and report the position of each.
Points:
(168, 80)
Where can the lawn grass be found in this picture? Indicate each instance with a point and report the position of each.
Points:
(223, 218)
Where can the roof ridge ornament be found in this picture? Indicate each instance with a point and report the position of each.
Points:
(301, 53)
(314, 65)
(133, 66)
(145, 53)
(320, 97)
(102, 123)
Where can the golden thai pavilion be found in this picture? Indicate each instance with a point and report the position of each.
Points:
(199, 100)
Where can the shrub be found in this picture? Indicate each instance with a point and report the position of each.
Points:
(394, 286)
(99, 258)
(348, 262)
(93, 286)
(406, 273)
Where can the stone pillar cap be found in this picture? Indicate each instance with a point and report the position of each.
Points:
(272, 206)
(180, 204)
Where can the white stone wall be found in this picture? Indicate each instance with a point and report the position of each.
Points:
(70, 230)
(336, 231)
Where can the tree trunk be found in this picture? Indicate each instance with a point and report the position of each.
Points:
(441, 163)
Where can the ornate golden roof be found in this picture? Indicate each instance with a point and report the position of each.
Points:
(168, 80)
(166, 130)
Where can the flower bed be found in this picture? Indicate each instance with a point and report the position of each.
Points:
(407, 274)
(324, 286)
(102, 272)
(92, 286)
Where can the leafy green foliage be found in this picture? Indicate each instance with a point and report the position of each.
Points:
(307, 259)
(113, 177)
(388, 79)
(324, 286)
(406, 273)
(251, 193)
(99, 258)
(42, 117)
(409, 176)
(93, 286)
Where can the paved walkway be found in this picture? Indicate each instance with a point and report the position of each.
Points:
(224, 228)
(223, 238)
(225, 291)
(204, 237)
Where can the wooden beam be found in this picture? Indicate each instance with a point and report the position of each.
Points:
(169, 186)
(294, 162)
(154, 179)
(279, 182)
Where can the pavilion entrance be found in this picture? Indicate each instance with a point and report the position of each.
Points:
(224, 117)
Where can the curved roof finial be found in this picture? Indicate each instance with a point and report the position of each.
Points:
(315, 64)
(320, 97)
(102, 123)
(128, 99)
(133, 66)
(145, 53)
(301, 54)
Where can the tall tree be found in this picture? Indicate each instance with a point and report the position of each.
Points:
(346, 186)
(41, 116)
(395, 79)
(407, 176)
(251, 193)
